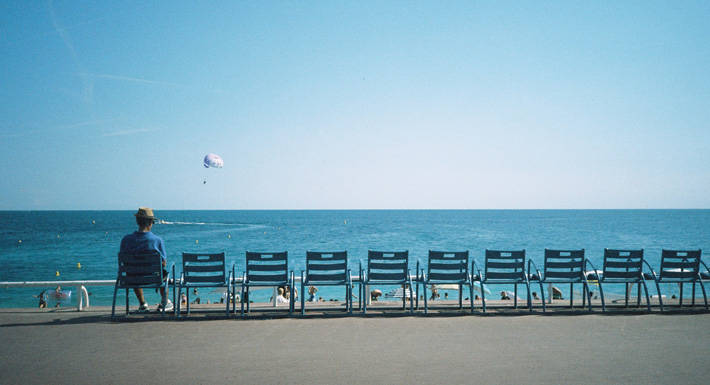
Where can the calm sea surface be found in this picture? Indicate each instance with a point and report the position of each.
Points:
(38, 245)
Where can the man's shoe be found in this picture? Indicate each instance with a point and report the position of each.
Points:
(168, 307)
(143, 307)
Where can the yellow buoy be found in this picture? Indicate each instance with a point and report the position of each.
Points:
(57, 273)
(20, 241)
(197, 241)
(78, 265)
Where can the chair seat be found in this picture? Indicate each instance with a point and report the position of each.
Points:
(385, 282)
(265, 283)
(619, 280)
(677, 280)
(324, 283)
(438, 281)
(495, 281)
(561, 280)
(204, 284)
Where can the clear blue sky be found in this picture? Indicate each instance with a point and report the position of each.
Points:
(381, 104)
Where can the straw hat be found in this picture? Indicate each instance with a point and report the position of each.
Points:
(145, 212)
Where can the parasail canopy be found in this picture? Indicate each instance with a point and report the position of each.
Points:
(213, 160)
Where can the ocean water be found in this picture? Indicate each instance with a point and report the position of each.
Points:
(48, 245)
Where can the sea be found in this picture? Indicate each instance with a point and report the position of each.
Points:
(83, 245)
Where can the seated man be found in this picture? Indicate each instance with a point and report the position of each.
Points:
(144, 241)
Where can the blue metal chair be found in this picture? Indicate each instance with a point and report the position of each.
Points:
(327, 269)
(446, 267)
(388, 268)
(139, 271)
(266, 269)
(563, 266)
(503, 268)
(681, 266)
(203, 270)
(624, 266)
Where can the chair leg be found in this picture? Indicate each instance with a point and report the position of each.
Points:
(638, 295)
(601, 294)
(626, 295)
(527, 284)
(584, 295)
(658, 290)
(542, 296)
(303, 297)
(241, 300)
(645, 289)
(461, 296)
(692, 299)
(364, 300)
(571, 296)
(426, 307)
(680, 303)
(483, 297)
(515, 296)
(229, 295)
(470, 289)
(187, 290)
(113, 306)
(417, 296)
(127, 299)
(705, 297)
(589, 295)
(177, 304)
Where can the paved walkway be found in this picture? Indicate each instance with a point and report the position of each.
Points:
(67, 347)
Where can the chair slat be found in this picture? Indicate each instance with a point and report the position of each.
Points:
(193, 257)
(505, 265)
(500, 254)
(340, 277)
(326, 256)
(203, 268)
(447, 276)
(254, 267)
(499, 275)
(620, 274)
(327, 266)
(267, 277)
(563, 274)
(139, 280)
(254, 256)
(564, 265)
(386, 276)
(447, 266)
(387, 266)
(448, 255)
(205, 278)
(140, 270)
(680, 265)
(624, 264)
(387, 255)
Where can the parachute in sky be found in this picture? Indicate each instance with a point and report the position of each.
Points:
(213, 160)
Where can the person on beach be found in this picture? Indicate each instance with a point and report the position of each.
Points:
(280, 298)
(312, 290)
(42, 299)
(144, 240)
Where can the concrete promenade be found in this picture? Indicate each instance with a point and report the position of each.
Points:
(68, 347)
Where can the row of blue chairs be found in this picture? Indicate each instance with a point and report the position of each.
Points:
(507, 267)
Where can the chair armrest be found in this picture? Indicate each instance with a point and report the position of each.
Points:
(589, 263)
(473, 272)
(653, 273)
(537, 271)
(417, 270)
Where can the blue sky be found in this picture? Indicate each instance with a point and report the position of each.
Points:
(327, 105)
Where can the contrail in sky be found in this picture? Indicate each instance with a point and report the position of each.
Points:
(88, 86)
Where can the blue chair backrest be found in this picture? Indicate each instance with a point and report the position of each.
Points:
(267, 267)
(387, 265)
(564, 264)
(448, 266)
(326, 266)
(680, 265)
(505, 265)
(140, 270)
(204, 268)
(623, 264)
